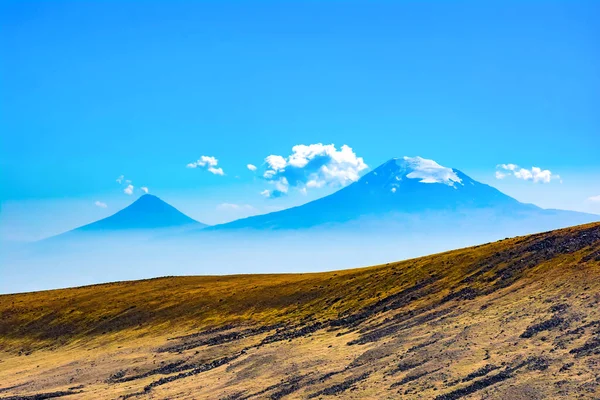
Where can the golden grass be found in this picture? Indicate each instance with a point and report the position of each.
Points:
(154, 306)
(507, 286)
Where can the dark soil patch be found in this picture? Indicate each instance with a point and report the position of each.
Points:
(466, 293)
(324, 377)
(285, 334)
(392, 302)
(283, 388)
(197, 370)
(480, 372)
(532, 363)
(340, 387)
(288, 388)
(6, 389)
(475, 386)
(590, 347)
(218, 339)
(394, 327)
(412, 377)
(537, 363)
(421, 345)
(41, 396)
(177, 366)
(542, 326)
(204, 333)
(408, 365)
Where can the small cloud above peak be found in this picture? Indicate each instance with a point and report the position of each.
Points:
(429, 171)
(535, 174)
(144, 189)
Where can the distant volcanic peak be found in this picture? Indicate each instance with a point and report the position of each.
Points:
(148, 199)
(419, 168)
(147, 212)
(150, 204)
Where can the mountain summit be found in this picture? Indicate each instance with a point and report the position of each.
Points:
(406, 187)
(147, 212)
(411, 184)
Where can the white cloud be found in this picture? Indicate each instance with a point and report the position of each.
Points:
(204, 161)
(273, 194)
(216, 171)
(312, 166)
(428, 171)
(100, 204)
(251, 167)
(508, 167)
(524, 174)
(277, 162)
(594, 199)
(208, 163)
(534, 174)
(281, 185)
(128, 186)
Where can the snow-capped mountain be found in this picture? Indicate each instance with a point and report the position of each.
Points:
(403, 186)
(411, 184)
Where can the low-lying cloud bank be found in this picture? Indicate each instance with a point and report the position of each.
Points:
(116, 257)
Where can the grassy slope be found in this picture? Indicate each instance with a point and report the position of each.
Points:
(512, 282)
(154, 306)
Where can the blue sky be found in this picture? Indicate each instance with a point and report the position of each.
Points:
(93, 91)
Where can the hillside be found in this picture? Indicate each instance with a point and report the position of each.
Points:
(514, 319)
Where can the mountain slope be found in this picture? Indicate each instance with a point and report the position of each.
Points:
(147, 212)
(410, 186)
(518, 319)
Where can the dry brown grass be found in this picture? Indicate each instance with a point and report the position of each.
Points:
(415, 329)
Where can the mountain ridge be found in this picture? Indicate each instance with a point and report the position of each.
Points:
(410, 185)
(393, 193)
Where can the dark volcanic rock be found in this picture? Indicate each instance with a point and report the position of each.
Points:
(542, 326)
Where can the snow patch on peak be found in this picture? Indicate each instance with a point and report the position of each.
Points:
(428, 171)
